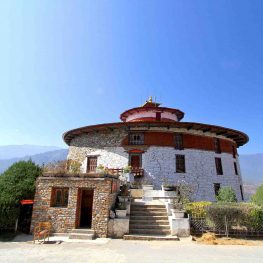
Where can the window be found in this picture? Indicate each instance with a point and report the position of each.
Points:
(241, 192)
(216, 188)
(217, 145)
(234, 151)
(180, 163)
(136, 138)
(59, 197)
(158, 116)
(219, 169)
(178, 141)
(92, 164)
(235, 167)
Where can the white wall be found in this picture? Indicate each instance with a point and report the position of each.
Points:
(159, 164)
(151, 114)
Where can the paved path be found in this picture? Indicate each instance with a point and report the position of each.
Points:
(120, 251)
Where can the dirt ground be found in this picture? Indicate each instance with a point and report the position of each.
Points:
(60, 249)
(211, 239)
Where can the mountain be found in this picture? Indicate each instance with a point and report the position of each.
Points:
(47, 157)
(252, 167)
(19, 151)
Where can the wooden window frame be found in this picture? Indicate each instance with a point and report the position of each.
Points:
(180, 163)
(235, 168)
(158, 116)
(219, 167)
(178, 141)
(217, 145)
(241, 193)
(138, 138)
(63, 199)
(217, 187)
(88, 166)
(234, 151)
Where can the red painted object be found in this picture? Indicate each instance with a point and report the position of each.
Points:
(27, 202)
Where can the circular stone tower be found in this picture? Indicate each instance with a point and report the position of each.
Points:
(162, 149)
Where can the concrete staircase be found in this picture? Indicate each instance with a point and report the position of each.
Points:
(82, 233)
(149, 222)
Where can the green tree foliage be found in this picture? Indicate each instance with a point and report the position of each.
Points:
(257, 198)
(226, 194)
(18, 182)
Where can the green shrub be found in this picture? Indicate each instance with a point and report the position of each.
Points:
(226, 194)
(197, 209)
(16, 183)
(219, 212)
(257, 198)
(246, 215)
(8, 216)
(255, 217)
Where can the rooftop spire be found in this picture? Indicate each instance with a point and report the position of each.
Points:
(150, 103)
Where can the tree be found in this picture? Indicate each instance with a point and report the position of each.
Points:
(226, 194)
(18, 182)
(257, 198)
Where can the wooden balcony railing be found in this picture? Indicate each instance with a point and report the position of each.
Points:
(138, 172)
(115, 172)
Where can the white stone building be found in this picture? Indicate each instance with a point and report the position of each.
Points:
(160, 148)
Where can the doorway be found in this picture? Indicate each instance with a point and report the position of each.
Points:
(86, 201)
(135, 160)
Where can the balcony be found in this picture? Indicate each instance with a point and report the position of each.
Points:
(109, 173)
(137, 172)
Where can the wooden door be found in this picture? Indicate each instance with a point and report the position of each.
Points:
(92, 164)
(86, 208)
(135, 161)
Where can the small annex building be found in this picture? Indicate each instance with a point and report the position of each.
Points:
(159, 147)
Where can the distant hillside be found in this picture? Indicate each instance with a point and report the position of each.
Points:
(47, 157)
(19, 151)
(252, 167)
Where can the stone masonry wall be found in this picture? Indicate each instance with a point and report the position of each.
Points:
(160, 165)
(64, 218)
(105, 145)
(159, 162)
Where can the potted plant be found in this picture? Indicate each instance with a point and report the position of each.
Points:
(177, 210)
(124, 193)
(167, 186)
(121, 210)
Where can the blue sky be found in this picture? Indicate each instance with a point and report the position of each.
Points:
(67, 64)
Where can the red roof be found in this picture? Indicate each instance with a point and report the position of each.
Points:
(239, 137)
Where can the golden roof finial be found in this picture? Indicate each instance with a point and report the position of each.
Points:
(150, 99)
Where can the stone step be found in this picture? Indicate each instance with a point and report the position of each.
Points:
(148, 213)
(149, 222)
(148, 206)
(151, 217)
(81, 236)
(150, 226)
(151, 237)
(82, 231)
(151, 231)
(151, 211)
